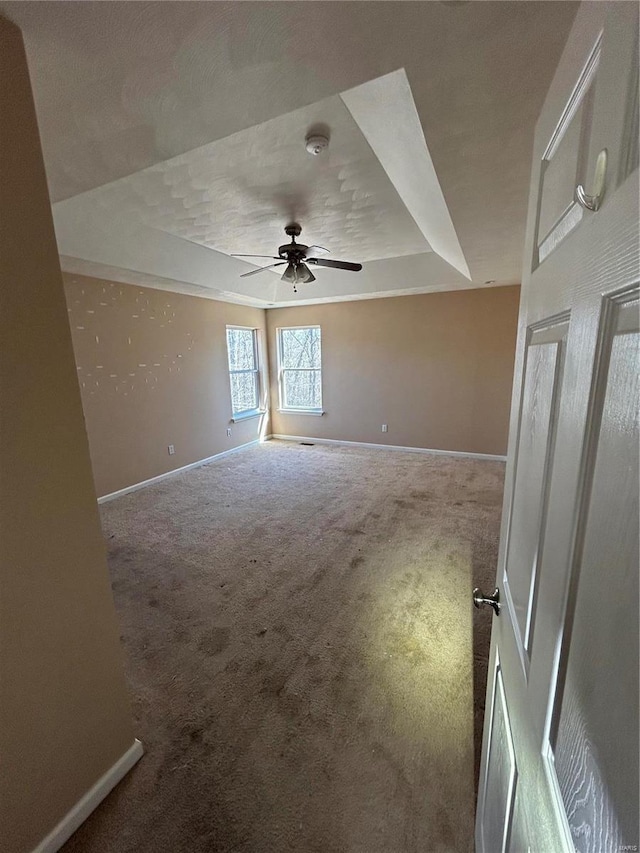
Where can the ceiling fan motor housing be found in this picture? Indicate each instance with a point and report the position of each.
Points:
(294, 252)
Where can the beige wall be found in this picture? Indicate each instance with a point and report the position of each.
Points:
(64, 715)
(152, 367)
(436, 368)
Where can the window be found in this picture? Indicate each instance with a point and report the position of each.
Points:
(299, 363)
(244, 370)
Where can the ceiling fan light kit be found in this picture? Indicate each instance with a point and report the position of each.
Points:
(300, 274)
(296, 256)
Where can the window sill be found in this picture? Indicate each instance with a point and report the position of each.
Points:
(317, 412)
(245, 416)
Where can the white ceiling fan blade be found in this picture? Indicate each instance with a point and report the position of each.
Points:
(261, 269)
(312, 251)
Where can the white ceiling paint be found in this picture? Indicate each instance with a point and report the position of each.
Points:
(235, 195)
(121, 87)
(385, 112)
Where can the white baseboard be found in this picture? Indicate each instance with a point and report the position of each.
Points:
(160, 477)
(224, 453)
(94, 796)
(370, 446)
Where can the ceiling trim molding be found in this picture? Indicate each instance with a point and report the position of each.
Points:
(105, 272)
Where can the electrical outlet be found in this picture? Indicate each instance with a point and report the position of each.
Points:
(385, 427)
(229, 431)
(171, 449)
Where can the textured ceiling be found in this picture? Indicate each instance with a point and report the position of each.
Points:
(121, 87)
(236, 194)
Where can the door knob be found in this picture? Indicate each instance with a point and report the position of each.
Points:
(482, 600)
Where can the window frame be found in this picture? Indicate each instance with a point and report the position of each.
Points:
(297, 410)
(257, 371)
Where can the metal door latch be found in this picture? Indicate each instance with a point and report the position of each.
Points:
(482, 600)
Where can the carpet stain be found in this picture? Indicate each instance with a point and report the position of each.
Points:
(421, 496)
(216, 640)
(274, 682)
(403, 504)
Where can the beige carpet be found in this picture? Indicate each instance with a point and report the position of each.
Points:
(297, 627)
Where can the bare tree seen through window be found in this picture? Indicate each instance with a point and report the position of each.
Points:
(300, 368)
(243, 369)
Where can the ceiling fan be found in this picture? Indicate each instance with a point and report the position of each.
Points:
(297, 256)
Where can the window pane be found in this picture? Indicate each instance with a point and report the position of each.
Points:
(302, 389)
(244, 392)
(300, 348)
(241, 349)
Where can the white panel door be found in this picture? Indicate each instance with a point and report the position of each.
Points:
(560, 748)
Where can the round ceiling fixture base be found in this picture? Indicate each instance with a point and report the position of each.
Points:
(293, 230)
